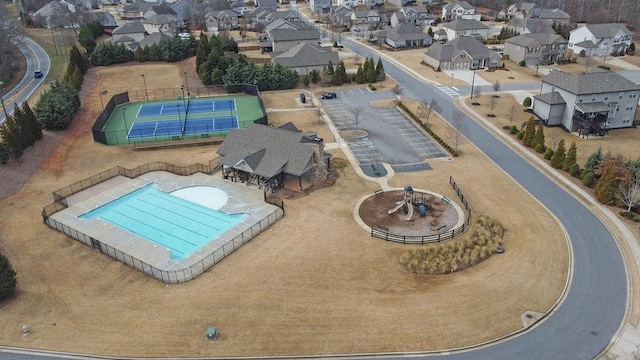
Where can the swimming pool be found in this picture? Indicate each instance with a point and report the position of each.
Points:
(180, 225)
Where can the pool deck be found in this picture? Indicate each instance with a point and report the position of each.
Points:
(242, 199)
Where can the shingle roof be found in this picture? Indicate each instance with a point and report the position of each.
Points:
(601, 31)
(288, 34)
(465, 24)
(526, 6)
(268, 3)
(283, 15)
(140, 6)
(543, 38)
(533, 25)
(417, 8)
(554, 14)
(587, 44)
(160, 19)
(305, 54)
(462, 4)
(129, 28)
(267, 150)
(590, 83)
(592, 107)
(279, 22)
(406, 31)
(149, 40)
(449, 50)
(551, 98)
(163, 10)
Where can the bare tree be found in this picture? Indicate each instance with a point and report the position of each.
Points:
(629, 193)
(511, 115)
(496, 88)
(425, 109)
(475, 95)
(356, 111)
(397, 90)
(318, 112)
(459, 122)
(492, 104)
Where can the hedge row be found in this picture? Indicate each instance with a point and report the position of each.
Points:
(428, 130)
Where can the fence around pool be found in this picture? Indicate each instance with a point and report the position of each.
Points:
(181, 271)
(170, 115)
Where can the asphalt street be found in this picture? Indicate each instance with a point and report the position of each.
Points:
(37, 59)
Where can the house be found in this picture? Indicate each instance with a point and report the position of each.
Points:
(591, 102)
(166, 24)
(291, 16)
(365, 20)
(129, 33)
(271, 5)
(282, 24)
(305, 57)
(281, 40)
(372, 4)
(135, 11)
(340, 16)
(464, 52)
(407, 35)
(608, 38)
(158, 10)
(185, 11)
(536, 49)
(459, 10)
(401, 3)
(221, 20)
(346, 3)
(240, 7)
(274, 157)
(555, 16)
(466, 27)
(528, 26)
(56, 14)
(107, 20)
(320, 6)
(149, 41)
(524, 10)
(415, 15)
(440, 35)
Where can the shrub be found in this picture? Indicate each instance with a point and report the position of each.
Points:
(513, 130)
(574, 60)
(588, 178)
(574, 170)
(526, 102)
(522, 63)
(548, 153)
(583, 53)
(604, 67)
(630, 215)
(372, 87)
(8, 280)
(540, 148)
(520, 135)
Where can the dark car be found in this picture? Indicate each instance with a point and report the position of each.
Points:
(329, 95)
(38, 74)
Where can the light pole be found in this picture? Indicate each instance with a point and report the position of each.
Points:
(473, 81)
(126, 131)
(186, 81)
(183, 100)
(146, 94)
(2, 101)
(103, 92)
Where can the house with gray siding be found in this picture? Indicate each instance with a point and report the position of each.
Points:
(320, 6)
(588, 103)
(306, 57)
(529, 26)
(607, 38)
(465, 52)
(406, 35)
(466, 27)
(536, 49)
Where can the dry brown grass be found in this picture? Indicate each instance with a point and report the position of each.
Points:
(315, 283)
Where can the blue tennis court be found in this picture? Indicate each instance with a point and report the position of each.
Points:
(176, 127)
(194, 106)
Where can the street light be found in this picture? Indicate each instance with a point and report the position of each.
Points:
(2, 101)
(186, 81)
(103, 92)
(146, 94)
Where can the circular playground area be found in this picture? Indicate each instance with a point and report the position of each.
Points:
(391, 210)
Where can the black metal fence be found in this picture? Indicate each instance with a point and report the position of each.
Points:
(112, 137)
(166, 276)
(427, 239)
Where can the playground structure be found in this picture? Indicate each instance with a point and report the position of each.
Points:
(407, 203)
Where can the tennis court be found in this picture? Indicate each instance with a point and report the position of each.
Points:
(191, 106)
(176, 127)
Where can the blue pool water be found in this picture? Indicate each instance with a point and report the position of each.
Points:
(177, 224)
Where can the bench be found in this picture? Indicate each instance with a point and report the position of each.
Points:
(379, 191)
(382, 227)
(446, 199)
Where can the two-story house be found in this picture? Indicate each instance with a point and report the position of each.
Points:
(414, 15)
(602, 39)
(459, 10)
(407, 36)
(239, 7)
(306, 57)
(591, 102)
(221, 20)
(320, 6)
(291, 16)
(528, 26)
(365, 20)
(524, 10)
(464, 52)
(466, 27)
(283, 38)
(555, 16)
(129, 33)
(135, 11)
(340, 16)
(534, 49)
(271, 5)
(165, 24)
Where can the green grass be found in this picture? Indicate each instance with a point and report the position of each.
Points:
(45, 39)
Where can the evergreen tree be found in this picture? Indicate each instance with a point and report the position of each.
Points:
(314, 76)
(10, 134)
(558, 156)
(139, 55)
(23, 132)
(380, 74)
(370, 72)
(430, 31)
(606, 187)
(35, 128)
(8, 280)
(5, 153)
(529, 133)
(330, 70)
(571, 157)
(360, 75)
(538, 137)
(593, 162)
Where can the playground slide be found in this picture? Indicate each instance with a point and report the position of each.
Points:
(399, 204)
(410, 212)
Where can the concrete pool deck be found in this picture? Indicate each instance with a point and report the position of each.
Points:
(120, 243)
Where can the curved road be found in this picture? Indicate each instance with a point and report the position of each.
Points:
(37, 59)
(594, 306)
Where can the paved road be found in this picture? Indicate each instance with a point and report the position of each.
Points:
(37, 59)
(594, 306)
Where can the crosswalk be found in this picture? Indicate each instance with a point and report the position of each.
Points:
(451, 91)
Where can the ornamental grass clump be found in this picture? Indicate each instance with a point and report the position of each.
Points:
(457, 254)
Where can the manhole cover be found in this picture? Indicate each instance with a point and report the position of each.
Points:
(529, 316)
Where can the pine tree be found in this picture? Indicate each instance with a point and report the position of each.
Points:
(8, 280)
(370, 72)
(593, 162)
(35, 128)
(571, 157)
(10, 133)
(605, 189)
(529, 133)
(23, 132)
(330, 70)
(538, 137)
(5, 153)
(558, 156)
(380, 74)
(360, 75)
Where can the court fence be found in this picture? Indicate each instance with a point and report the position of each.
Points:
(167, 276)
(111, 137)
(383, 233)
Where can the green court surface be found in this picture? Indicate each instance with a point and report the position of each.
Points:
(247, 109)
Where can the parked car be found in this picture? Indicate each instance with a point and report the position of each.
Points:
(38, 74)
(329, 95)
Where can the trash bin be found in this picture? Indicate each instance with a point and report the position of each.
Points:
(212, 333)
(303, 98)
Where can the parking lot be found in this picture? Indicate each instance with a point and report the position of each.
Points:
(391, 138)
